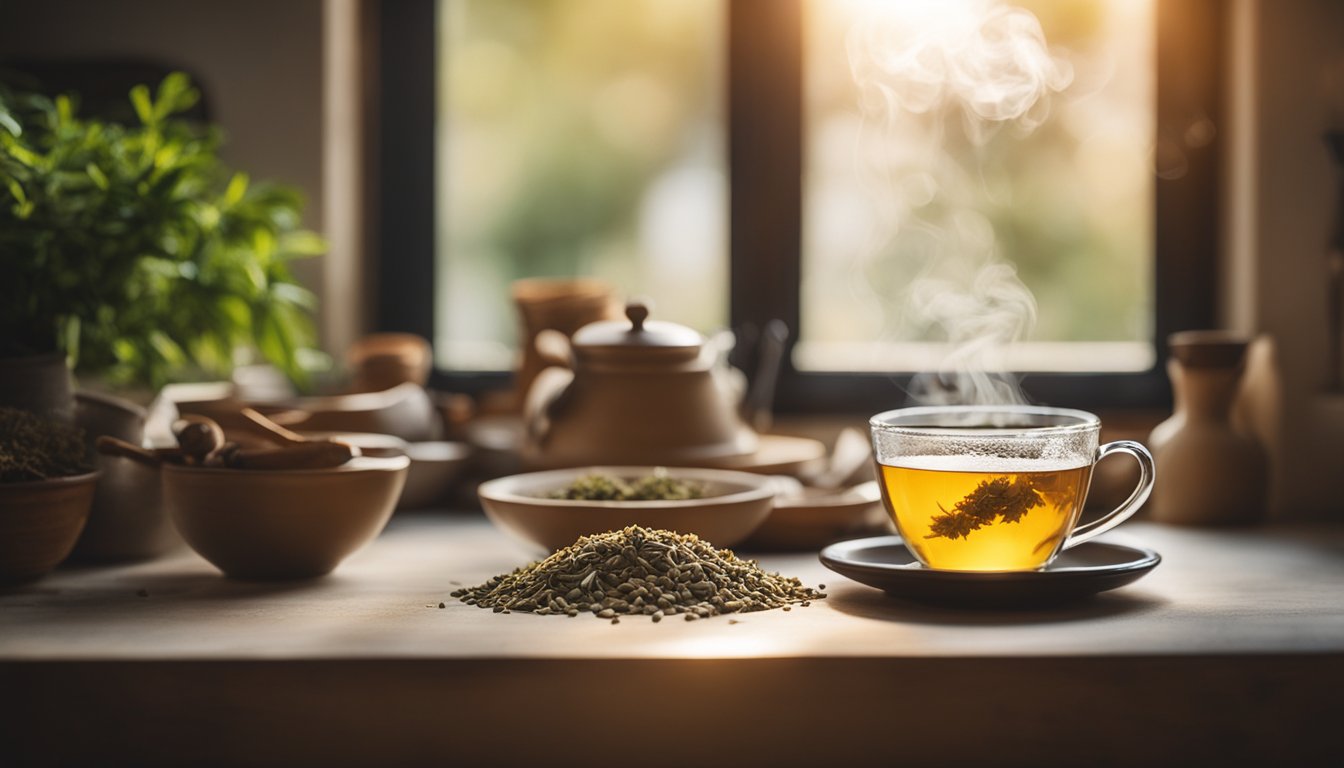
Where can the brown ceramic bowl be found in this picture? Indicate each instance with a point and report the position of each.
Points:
(39, 523)
(435, 466)
(811, 518)
(405, 410)
(284, 524)
(734, 503)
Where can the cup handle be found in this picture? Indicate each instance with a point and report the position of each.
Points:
(1123, 512)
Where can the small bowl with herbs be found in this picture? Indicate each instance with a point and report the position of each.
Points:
(46, 492)
(552, 509)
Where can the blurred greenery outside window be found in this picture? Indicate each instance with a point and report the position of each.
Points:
(587, 137)
(578, 137)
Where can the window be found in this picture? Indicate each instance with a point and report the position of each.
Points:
(948, 141)
(582, 137)
(655, 127)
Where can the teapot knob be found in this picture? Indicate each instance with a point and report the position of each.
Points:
(638, 312)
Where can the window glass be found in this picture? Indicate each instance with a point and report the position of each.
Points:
(577, 137)
(978, 172)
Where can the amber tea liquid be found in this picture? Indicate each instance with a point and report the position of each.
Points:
(960, 513)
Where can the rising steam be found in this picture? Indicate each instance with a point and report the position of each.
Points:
(938, 80)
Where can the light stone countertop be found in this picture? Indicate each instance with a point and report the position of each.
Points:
(1238, 634)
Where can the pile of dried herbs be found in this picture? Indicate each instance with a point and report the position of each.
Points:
(660, 486)
(36, 448)
(637, 571)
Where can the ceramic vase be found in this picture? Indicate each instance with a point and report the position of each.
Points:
(557, 304)
(1209, 471)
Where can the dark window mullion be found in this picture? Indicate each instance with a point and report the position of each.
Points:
(404, 212)
(1190, 35)
(765, 160)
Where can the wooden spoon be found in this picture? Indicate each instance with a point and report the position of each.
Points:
(275, 432)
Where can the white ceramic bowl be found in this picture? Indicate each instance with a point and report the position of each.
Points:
(733, 505)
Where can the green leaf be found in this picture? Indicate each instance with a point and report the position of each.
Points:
(124, 350)
(275, 343)
(238, 313)
(167, 348)
(263, 243)
(144, 106)
(292, 293)
(302, 243)
(175, 95)
(21, 153)
(167, 155)
(9, 123)
(70, 337)
(99, 178)
(64, 111)
(236, 189)
(16, 189)
(255, 276)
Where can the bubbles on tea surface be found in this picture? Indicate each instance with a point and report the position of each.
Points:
(982, 463)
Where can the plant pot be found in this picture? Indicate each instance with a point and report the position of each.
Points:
(38, 383)
(128, 521)
(39, 523)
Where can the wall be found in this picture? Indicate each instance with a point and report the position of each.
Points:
(1280, 197)
(260, 61)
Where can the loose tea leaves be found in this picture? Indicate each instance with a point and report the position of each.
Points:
(36, 448)
(660, 486)
(638, 571)
(1003, 498)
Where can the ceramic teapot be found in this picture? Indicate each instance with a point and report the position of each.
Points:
(633, 392)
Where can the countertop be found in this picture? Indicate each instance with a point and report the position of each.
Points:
(1233, 647)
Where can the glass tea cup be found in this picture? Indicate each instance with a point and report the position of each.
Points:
(995, 488)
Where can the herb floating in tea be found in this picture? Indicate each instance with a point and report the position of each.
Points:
(639, 571)
(36, 448)
(1004, 498)
(656, 487)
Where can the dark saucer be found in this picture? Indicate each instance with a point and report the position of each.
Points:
(1085, 570)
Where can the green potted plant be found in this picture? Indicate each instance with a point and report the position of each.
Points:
(133, 254)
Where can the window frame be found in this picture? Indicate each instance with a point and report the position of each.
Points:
(765, 146)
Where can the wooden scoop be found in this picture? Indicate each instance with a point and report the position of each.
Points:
(201, 443)
(111, 446)
(311, 454)
(199, 438)
(274, 432)
(293, 451)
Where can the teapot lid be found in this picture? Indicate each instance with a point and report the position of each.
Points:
(636, 332)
